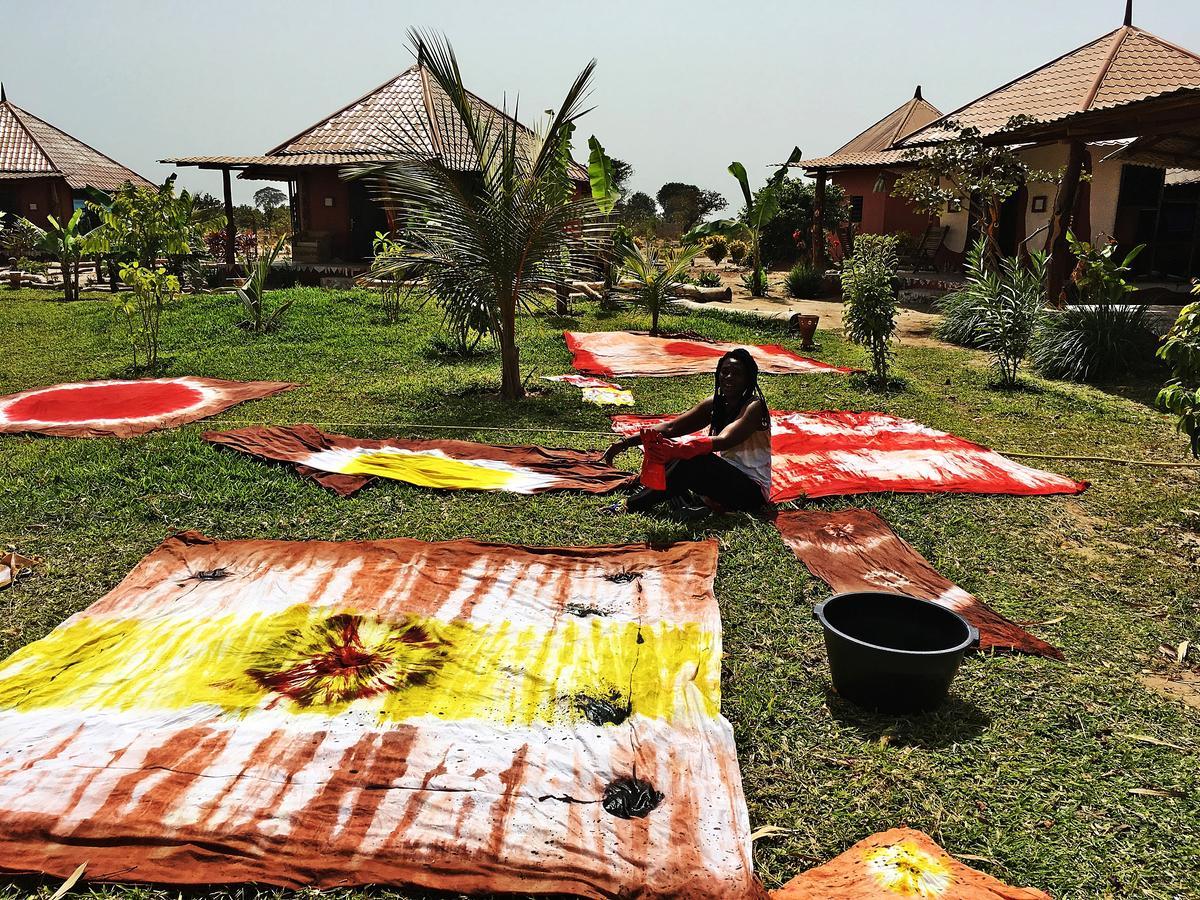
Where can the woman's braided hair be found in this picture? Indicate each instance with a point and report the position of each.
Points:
(725, 409)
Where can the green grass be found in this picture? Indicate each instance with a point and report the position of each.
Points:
(1029, 767)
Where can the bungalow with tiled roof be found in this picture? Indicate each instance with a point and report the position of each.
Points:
(334, 220)
(44, 171)
(1118, 108)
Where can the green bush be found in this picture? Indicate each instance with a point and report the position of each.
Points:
(1093, 343)
(1181, 350)
(748, 281)
(803, 281)
(738, 251)
(709, 279)
(962, 311)
(869, 315)
(716, 248)
(1010, 314)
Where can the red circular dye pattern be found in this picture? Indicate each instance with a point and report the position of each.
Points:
(122, 400)
(689, 348)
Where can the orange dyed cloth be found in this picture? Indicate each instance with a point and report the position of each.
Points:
(347, 464)
(856, 550)
(455, 716)
(625, 354)
(896, 864)
(125, 408)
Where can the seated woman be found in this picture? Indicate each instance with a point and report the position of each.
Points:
(730, 467)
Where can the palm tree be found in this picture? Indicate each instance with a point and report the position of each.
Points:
(655, 273)
(502, 237)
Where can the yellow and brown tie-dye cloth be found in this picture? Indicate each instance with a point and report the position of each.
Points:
(458, 716)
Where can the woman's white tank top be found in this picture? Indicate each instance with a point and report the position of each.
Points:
(753, 457)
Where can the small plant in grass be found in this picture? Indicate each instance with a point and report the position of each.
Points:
(759, 285)
(253, 293)
(1104, 336)
(803, 281)
(869, 314)
(737, 252)
(716, 248)
(708, 279)
(1009, 315)
(1181, 351)
(142, 308)
(655, 272)
(962, 310)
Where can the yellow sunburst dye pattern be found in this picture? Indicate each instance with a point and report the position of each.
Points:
(503, 673)
(427, 470)
(908, 871)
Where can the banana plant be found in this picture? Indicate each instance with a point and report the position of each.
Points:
(760, 209)
(67, 243)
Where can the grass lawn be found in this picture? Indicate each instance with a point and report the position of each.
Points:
(1029, 770)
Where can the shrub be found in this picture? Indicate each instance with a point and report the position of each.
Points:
(18, 238)
(738, 251)
(253, 293)
(715, 248)
(962, 310)
(748, 281)
(1093, 343)
(709, 279)
(804, 281)
(1105, 336)
(1181, 350)
(142, 308)
(1009, 316)
(869, 316)
(32, 266)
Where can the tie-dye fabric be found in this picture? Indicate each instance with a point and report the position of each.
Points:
(856, 550)
(125, 408)
(346, 464)
(900, 863)
(458, 716)
(616, 354)
(596, 390)
(832, 453)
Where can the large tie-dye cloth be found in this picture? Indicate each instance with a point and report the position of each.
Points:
(346, 464)
(459, 716)
(822, 454)
(900, 863)
(856, 550)
(618, 354)
(125, 408)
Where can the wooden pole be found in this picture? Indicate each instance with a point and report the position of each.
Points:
(230, 257)
(1059, 266)
(817, 240)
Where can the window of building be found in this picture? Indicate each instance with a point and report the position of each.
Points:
(856, 208)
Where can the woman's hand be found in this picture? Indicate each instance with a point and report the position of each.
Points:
(610, 455)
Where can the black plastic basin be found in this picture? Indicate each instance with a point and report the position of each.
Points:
(891, 652)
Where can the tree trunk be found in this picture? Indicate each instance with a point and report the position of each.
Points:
(757, 288)
(510, 354)
(1059, 265)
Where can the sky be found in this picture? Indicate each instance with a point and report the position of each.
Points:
(681, 88)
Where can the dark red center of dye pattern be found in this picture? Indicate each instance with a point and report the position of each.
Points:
(688, 348)
(131, 400)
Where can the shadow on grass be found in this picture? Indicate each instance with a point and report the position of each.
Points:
(956, 721)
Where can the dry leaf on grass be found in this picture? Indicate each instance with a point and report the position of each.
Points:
(69, 883)
(1147, 739)
(769, 831)
(1181, 651)
(1156, 792)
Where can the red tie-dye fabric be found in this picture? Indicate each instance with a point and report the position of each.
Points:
(616, 354)
(856, 550)
(125, 408)
(823, 454)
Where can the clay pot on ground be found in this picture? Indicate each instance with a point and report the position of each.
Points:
(807, 326)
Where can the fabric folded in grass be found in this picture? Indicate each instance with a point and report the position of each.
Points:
(626, 354)
(821, 454)
(455, 716)
(856, 550)
(595, 390)
(899, 863)
(13, 565)
(125, 409)
(346, 464)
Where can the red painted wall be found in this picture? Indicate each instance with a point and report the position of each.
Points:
(51, 195)
(313, 186)
(882, 212)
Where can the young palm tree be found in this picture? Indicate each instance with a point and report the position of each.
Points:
(497, 228)
(656, 273)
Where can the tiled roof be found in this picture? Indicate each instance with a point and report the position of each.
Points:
(1183, 176)
(294, 161)
(871, 147)
(411, 112)
(30, 147)
(1125, 66)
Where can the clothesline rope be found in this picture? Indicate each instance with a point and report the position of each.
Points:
(1023, 454)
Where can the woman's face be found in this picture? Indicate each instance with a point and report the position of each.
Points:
(733, 378)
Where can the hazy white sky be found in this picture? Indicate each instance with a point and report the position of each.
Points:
(682, 88)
